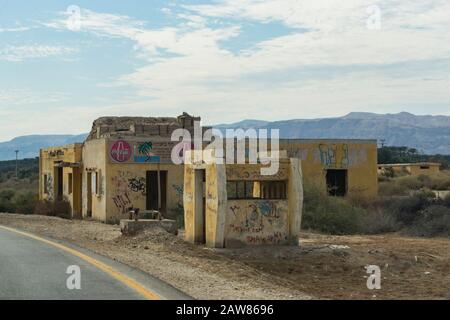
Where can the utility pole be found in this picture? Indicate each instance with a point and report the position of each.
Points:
(17, 159)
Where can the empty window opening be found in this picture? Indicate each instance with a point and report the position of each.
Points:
(45, 184)
(337, 182)
(89, 194)
(60, 182)
(256, 190)
(95, 183)
(70, 182)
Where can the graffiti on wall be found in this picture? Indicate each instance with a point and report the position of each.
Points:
(274, 238)
(122, 202)
(178, 189)
(268, 209)
(243, 173)
(137, 184)
(49, 186)
(126, 188)
(258, 222)
(234, 209)
(126, 181)
(334, 156)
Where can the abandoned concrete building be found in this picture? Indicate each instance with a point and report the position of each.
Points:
(126, 162)
(412, 169)
(234, 204)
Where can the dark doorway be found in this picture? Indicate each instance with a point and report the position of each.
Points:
(337, 182)
(59, 184)
(89, 195)
(154, 200)
(200, 206)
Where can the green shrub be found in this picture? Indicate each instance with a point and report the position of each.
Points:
(329, 214)
(6, 200)
(410, 183)
(25, 202)
(60, 209)
(418, 214)
(406, 210)
(433, 221)
(391, 188)
(377, 221)
(446, 201)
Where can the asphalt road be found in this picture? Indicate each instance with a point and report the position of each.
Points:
(33, 269)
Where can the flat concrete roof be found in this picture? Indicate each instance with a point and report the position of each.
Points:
(410, 164)
(65, 146)
(331, 140)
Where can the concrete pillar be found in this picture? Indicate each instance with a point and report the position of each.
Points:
(295, 199)
(216, 201)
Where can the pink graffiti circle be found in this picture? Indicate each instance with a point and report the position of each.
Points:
(120, 151)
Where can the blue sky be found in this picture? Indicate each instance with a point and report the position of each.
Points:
(65, 63)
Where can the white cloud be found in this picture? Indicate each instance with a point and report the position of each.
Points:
(20, 53)
(203, 77)
(17, 97)
(14, 29)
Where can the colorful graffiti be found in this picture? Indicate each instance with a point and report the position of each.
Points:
(178, 189)
(268, 209)
(332, 156)
(257, 222)
(251, 219)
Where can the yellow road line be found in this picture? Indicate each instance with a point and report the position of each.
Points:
(98, 264)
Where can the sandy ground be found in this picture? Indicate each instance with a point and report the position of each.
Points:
(324, 267)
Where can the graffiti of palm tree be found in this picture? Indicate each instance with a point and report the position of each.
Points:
(145, 148)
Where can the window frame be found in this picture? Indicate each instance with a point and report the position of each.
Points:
(280, 192)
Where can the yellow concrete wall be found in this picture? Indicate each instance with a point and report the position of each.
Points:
(359, 157)
(189, 204)
(215, 202)
(94, 153)
(257, 222)
(120, 195)
(411, 169)
(116, 192)
(260, 221)
(47, 159)
(416, 170)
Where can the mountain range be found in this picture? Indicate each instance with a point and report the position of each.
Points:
(29, 146)
(428, 134)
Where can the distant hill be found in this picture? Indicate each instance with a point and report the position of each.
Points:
(428, 134)
(29, 146)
